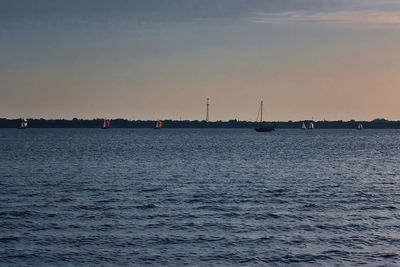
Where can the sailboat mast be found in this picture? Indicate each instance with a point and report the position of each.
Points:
(208, 109)
(261, 111)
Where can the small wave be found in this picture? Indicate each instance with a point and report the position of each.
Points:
(8, 239)
(262, 216)
(194, 200)
(152, 189)
(306, 227)
(327, 226)
(265, 239)
(169, 240)
(272, 215)
(370, 208)
(74, 226)
(310, 205)
(91, 207)
(388, 255)
(63, 200)
(15, 213)
(276, 192)
(210, 207)
(310, 258)
(335, 252)
(105, 201)
(210, 238)
(147, 206)
(279, 201)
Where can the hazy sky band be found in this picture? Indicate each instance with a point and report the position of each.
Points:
(161, 59)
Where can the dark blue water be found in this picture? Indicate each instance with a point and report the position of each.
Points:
(199, 197)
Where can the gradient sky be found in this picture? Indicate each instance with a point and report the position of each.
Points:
(161, 59)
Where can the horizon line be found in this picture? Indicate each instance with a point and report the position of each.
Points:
(202, 120)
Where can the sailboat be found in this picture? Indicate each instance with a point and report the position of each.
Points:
(262, 127)
(360, 126)
(303, 126)
(106, 124)
(23, 124)
(158, 125)
(311, 125)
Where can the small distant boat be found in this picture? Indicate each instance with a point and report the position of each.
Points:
(303, 126)
(311, 126)
(23, 124)
(360, 126)
(106, 124)
(158, 125)
(262, 127)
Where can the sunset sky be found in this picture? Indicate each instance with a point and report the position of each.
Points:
(161, 59)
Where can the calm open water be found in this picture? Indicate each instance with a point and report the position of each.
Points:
(199, 197)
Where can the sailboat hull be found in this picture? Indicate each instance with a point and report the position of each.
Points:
(265, 129)
(262, 127)
(23, 125)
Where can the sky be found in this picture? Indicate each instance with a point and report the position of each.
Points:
(161, 59)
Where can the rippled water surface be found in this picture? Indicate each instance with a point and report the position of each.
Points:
(199, 197)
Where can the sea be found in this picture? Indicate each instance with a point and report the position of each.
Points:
(199, 197)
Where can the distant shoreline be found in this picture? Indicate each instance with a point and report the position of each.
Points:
(123, 123)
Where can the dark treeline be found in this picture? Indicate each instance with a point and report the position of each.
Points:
(122, 123)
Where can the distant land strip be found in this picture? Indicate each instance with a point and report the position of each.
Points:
(123, 123)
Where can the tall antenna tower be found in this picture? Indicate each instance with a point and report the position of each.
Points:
(208, 110)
